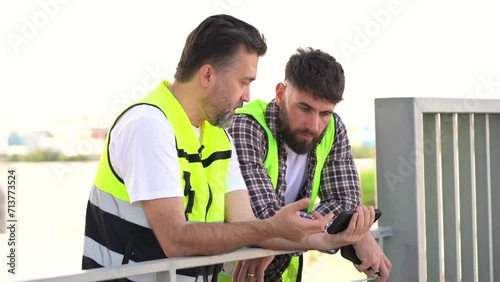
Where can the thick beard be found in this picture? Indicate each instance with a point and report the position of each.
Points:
(290, 138)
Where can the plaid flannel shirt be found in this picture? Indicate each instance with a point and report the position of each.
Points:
(339, 187)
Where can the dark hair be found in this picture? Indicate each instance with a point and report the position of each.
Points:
(316, 72)
(216, 41)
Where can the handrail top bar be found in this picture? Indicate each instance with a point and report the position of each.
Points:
(160, 265)
(381, 232)
(445, 105)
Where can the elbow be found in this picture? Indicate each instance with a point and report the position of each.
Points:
(172, 249)
(171, 253)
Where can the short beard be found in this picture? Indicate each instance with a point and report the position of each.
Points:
(213, 106)
(289, 137)
(225, 120)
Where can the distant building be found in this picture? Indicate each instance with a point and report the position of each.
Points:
(99, 133)
(74, 136)
(39, 140)
(15, 139)
(16, 144)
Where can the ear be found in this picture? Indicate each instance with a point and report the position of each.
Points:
(206, 73)
(280, 93)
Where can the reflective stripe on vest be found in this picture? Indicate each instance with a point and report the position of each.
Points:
(121, 230)
(257, 109)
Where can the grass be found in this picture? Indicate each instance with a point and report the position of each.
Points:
(367, 174)
(46, 156)
(368, 186)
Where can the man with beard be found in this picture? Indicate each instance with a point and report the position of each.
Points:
(296, 147)
(169, 177)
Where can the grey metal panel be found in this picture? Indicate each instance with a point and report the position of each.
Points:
(467, 198)
(450, 188)
(479, 175)
(483, 190)
(433, 207)
(400, 191)
(495, 190)
(448, 105)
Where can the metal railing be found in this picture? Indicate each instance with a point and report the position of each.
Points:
(165, 268)
(438, 180)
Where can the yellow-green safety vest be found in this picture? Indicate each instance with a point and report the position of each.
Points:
(257, 109)
(117, 231)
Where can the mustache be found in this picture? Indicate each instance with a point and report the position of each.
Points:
(238, 105)
(306, 132)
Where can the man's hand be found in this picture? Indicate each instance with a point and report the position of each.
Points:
(374, 263)
(360, 224)
(290, 225)
(251, 270)
(358, 228)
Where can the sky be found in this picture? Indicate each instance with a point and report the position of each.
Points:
(61, 60)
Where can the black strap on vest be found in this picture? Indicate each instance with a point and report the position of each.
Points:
(188, 192)
(299, 271)
(203, 271)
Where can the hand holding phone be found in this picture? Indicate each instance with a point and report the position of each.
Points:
(342, 220)
(339, 224)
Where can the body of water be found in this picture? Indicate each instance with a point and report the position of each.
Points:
(51, 200)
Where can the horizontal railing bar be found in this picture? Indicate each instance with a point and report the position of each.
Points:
(172, 264)
(448, 105)
(364, 279)
(167, 264)
(382, 232)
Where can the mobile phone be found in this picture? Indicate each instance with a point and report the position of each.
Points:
(339, 224)
(342, 220)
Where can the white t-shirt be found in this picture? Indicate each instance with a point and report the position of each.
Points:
(142, 151)
(295, 174)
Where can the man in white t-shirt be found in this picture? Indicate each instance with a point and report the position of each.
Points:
(169, 184)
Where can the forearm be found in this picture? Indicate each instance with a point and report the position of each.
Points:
(179, 238)
(319, 241)
(213, 238)
(286, 245)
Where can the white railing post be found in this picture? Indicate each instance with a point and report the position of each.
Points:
(167, 276)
